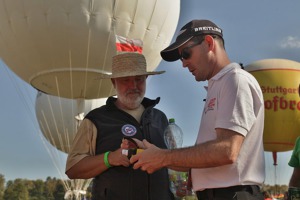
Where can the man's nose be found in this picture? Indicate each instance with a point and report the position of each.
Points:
(133, 84)
(184, 63)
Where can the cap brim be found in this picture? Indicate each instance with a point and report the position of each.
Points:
(171, 53)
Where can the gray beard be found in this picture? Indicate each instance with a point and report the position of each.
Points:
(131, 103)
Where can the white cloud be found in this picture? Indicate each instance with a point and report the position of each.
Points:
(290, 42)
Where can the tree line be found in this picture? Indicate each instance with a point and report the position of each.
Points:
(53, 189)
(24, 189)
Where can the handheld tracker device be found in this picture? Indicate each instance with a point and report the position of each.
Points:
(133, 148)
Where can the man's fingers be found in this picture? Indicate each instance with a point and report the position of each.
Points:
(146, 144)
(134, 158)
(136, 166)
(124, 144)
(139, 143)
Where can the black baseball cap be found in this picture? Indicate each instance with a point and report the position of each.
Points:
(191, 29)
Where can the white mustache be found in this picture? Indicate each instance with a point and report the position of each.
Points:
(133, 92)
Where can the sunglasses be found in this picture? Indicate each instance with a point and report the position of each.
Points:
(186, 52)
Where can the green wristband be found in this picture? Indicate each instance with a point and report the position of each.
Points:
(106, 159)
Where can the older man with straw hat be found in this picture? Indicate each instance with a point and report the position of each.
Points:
(96, 151)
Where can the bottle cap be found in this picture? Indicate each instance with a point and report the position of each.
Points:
(171, 120)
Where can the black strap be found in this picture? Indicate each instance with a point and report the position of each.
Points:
(208, 194)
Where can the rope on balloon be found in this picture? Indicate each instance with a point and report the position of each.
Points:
(74, 188)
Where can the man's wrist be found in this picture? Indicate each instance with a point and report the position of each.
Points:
(105, 158)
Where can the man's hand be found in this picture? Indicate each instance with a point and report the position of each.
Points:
(127, 144)
(116, 158)
(151, 159)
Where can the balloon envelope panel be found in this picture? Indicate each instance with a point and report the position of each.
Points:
(279, 81)
(59, 118)
(60, 46)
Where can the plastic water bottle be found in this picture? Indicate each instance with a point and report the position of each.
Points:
(173, 135)
(173, 139)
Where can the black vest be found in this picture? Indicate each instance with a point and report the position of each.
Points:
(125, 183)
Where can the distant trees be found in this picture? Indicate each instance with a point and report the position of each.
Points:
(59, 192)
(16, 190)
(37, 190)
(2, 186)
(51, 189)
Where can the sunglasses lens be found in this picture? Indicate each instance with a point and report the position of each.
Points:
(185, 53)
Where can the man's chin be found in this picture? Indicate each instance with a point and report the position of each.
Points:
(133, 102)
(133, 105)
(134, 97)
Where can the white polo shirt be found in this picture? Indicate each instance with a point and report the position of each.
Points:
(234, 101)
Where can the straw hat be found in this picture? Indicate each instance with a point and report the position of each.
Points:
(129, 64)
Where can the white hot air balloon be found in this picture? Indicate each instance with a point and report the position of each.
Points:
(61, 46)
(59, 119)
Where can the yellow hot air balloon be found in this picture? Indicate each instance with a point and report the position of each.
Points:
(61, 46)
(279, 81)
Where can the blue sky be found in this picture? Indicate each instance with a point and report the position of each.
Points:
(253, 30)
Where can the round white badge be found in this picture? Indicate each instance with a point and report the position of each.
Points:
(128, 130)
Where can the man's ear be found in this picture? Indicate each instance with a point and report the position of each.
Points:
(209, 40)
